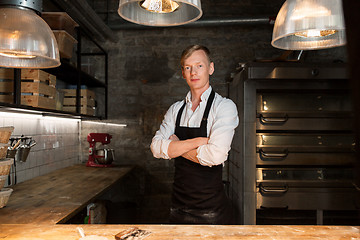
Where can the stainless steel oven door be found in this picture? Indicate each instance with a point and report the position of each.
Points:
(305, 188)
(304, 111)
(305, 198)
(305, 149)
(304, 103)
(267, 122)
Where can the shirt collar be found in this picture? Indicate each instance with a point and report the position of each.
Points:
(204, 97)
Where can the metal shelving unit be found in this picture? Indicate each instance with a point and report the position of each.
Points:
(71, 75)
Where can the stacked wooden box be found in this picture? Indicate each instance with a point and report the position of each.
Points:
(63, 27)
(37, 87)
(87, 101)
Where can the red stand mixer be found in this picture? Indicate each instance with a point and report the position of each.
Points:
(95, 159)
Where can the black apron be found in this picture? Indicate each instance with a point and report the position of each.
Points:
(198, 192)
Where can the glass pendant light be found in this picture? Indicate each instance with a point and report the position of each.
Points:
(26, 41)
(160, 12)
(309, 25)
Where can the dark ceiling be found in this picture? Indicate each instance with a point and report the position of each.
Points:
(107, 9)
(99, 17)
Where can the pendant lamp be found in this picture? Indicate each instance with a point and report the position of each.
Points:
(26, 41)
(309, 25)
(160, 12)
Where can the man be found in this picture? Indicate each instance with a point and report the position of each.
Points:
(198, 132)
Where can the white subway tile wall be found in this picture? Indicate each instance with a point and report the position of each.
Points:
(58, 143)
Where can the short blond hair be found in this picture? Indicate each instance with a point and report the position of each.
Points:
(191, 49)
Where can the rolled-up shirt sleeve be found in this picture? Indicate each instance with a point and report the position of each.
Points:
(160, 142)
(220, 136)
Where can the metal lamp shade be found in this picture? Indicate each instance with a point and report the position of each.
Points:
(188, 11)
(309, 25)
(26, 41)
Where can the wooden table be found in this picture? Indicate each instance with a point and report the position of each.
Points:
(59, 195)
(182, 232)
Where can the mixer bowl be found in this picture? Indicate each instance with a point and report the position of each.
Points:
(105, 156)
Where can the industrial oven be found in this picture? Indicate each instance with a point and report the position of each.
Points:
(293, 153)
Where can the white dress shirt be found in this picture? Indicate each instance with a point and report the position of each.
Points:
(222, 121)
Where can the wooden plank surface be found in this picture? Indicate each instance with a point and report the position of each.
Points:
(34, 74)
(59, 195)
(181, 232)
(71, 101)
(38, 75)
(87, 93)
(38, 88)
(29, 87)
(38, 101)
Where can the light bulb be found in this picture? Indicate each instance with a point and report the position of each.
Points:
(315, 33)
(16, 54)
(160, 6)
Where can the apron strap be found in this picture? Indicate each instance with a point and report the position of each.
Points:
(208, 105)
(206, 112)
(178, 117)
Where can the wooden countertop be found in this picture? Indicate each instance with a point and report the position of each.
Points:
(54, 198)
(59, 195)
(181, 232)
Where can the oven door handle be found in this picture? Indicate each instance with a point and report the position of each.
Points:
(275, 208)
(282, 190)
(272, 156)
(273, 120)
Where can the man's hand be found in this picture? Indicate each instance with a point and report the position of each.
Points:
(191, 155)
(179, 147)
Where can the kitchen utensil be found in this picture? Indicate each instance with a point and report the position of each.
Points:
(4, 196)
(81, 231)
(22, 153)
(11, 153)
(93, 139)
(91, 237)
(104, 156)
(31, 143)
(132, 233)
(16, 145)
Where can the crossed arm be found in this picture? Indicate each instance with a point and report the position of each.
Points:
(185, 148)
(206, 151)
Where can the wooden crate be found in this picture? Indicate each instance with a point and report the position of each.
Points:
(38, 75)
(85, 93)
(29, 74)
(37, 88)
(6, 98)
(38, 101)
(87, 101)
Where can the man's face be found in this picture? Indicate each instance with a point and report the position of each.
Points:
(197, 70)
